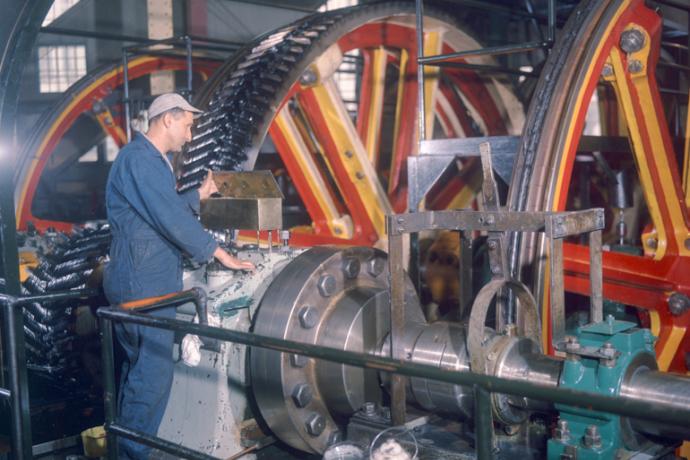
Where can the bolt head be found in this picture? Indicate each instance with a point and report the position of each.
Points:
(592, 438)
(562, 431)
(351, 267)
(652, 243)
(678, 303)
(302, 394)
(308, 317)
(315, 424)
(327, 285)
(298, 360)
(607, 70)
(308, 77)
(493, 244)
(375, 266)
(635, 66)
(369, 408)
(632, 40)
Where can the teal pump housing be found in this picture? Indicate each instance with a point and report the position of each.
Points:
(598, 359)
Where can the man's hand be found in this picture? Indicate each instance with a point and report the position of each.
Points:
(208, 187)
(232, 262)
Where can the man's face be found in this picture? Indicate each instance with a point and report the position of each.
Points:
(180, 130)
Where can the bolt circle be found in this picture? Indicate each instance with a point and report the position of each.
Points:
(351, 267)
(375, 266)
(298, 360)
(315, 424)
(327, 285)
(302, 394)
(308, 317)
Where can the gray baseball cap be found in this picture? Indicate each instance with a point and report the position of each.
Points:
(169, 101)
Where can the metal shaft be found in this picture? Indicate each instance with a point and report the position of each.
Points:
(629, 407)
(667, 391)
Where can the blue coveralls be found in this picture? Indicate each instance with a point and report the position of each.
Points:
(152, 227)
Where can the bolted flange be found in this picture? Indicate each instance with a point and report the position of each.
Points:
(327, 285)
(351, 267)
(302, 394)
(308, 317)
(315, 424)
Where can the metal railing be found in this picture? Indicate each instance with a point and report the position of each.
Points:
(17, 392)
(483, 385)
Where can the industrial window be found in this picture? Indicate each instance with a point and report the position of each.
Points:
(335, 4)
(60, 66)
(57, 9)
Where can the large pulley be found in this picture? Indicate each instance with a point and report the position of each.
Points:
(329, 297)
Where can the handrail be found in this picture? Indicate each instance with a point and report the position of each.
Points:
(483, 384)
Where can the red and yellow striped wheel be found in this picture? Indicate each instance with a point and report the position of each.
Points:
(614, 46)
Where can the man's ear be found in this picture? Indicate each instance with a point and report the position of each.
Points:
(167, 119)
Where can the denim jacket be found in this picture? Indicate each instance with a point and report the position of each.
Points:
(152, 226)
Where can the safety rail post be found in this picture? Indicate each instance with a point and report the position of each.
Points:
(109, 392)
(18, 392)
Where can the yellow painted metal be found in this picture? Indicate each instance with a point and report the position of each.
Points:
(284, 121)
(352, 153)
(105, 119)
(377, 85)
(651, 123)
(402, 78)
(686, 157)
(27, 261)
(433, 46)
(665, 356)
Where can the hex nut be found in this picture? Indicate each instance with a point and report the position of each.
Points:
(302, 394)
(351, 267)
(562, 431)
(678, 303)
(298, 360)
(308, 317)
(327, 285)
(315, 424)
(592, 438)
(308, 77)
(375, 266)
(635, 66)
(607, 71)
(632, 40)
(369, 409)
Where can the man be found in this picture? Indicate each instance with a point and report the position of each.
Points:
(152, 228)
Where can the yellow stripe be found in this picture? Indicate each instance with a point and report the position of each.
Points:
(285, 123)
(686, 157)
(624, 96)
(359, 169)
(77, 100)
(671, 347)
(655, 321)
(377, 82)
(432, 46)
(579, 102)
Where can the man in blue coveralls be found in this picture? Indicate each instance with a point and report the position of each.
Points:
(152, 228)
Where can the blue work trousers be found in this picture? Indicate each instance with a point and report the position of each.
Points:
(147, 374)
